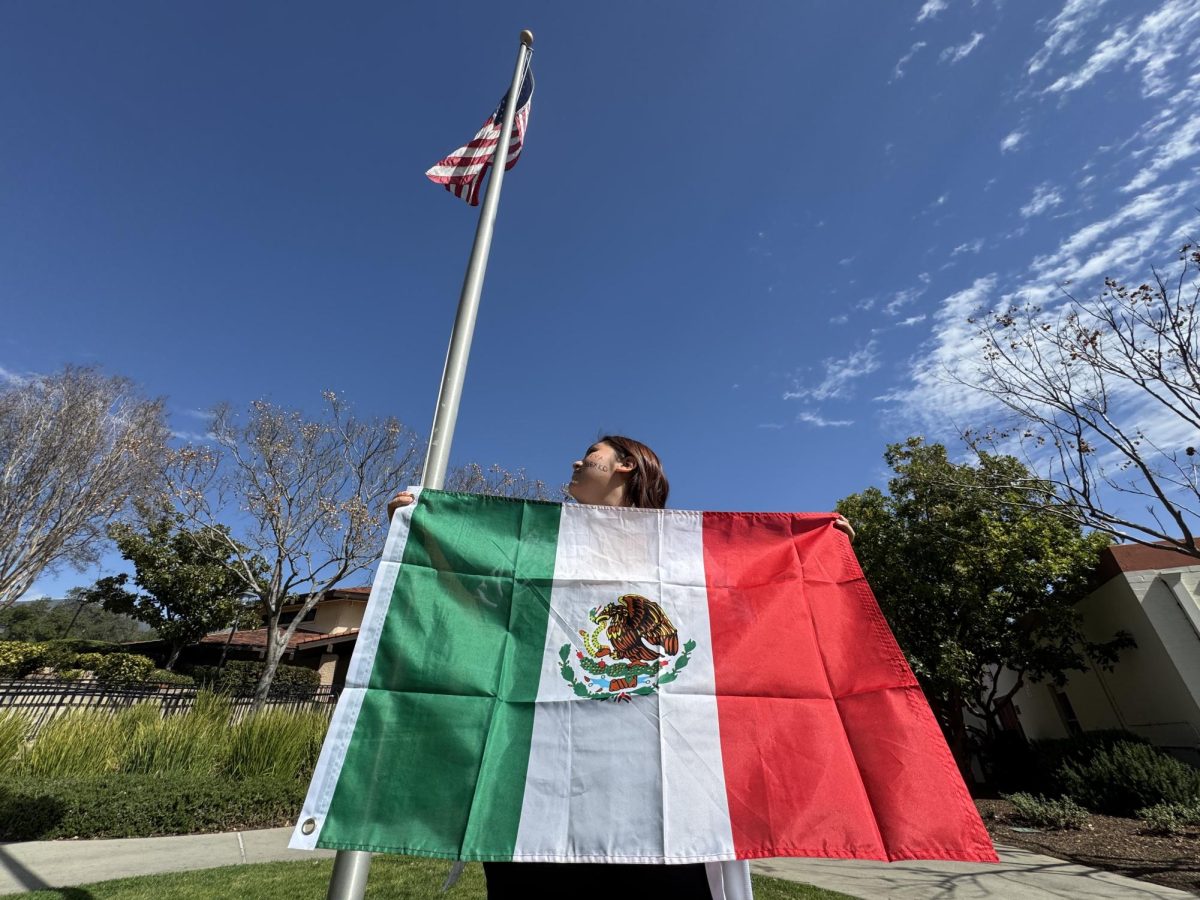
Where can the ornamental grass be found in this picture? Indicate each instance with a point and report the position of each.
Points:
(140, 740)
(275, 742)
(14, 728)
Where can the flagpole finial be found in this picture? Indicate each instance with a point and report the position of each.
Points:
(527, 38)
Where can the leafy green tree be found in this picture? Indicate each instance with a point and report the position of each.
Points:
(72, 617)
(974, 579)
(188, 587)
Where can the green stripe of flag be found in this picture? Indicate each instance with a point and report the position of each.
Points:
(453, 685)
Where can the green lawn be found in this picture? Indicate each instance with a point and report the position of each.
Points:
(392, 877)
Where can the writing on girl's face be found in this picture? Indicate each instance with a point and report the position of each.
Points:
(590, 478)
(598, 457)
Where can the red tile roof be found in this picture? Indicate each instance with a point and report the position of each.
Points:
(1140, 558)
(257, 638)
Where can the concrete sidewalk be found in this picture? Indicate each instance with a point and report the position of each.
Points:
(37, 865)
(1020, 876)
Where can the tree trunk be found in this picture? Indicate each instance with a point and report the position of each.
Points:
(74, 618)
(176, 649)
(954, 723)
(225, 646)
(276, 643)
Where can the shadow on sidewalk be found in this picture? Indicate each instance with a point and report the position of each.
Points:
(30, 880)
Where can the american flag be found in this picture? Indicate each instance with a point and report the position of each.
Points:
(462, 171)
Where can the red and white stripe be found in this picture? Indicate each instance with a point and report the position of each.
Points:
(462, 171)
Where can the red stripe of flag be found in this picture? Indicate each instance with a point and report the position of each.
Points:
(828, 723)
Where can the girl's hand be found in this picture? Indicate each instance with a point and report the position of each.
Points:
(842, 524)
(404, 498)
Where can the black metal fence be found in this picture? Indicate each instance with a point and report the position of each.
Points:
(43, 699)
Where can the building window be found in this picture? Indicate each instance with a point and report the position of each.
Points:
(1065, 710)
(286, 618)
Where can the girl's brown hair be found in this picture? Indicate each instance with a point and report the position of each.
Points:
(647, 486)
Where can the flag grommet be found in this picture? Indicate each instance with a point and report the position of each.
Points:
(309, 826)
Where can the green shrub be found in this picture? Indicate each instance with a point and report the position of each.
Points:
(1045, 759)
(1130, 776)
(56, 656)
(1041, 812)
(163, 676)
(240, 677)
(276, 742)
(118, 806)
(70, 674)
(83, 645)
(19, 658)
(14, 729)
(1170, 818)
(123, 668)
(89, 661)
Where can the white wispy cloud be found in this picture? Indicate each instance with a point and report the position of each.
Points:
(1140, 199)
(912, 320)
(1164, 35)
(815, 418)
(898, 70)
(839, 375)
(1183, 144)
(1044, 197)
(902, 298)
(956, 54)
(1113, 243)
(1065, 31)
(932, 389)
(930, 8)
(1118, 243)
(1012, 140)
(191, 437)
(839, 319)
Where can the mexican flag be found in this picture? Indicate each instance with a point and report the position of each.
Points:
(539, 681)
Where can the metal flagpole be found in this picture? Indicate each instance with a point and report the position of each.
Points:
(450, 393)
(350, 867)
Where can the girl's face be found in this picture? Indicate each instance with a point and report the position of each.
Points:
(600, 476)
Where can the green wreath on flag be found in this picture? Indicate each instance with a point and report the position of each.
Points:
(658, 674)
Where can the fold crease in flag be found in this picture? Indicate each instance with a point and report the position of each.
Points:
(545, 682)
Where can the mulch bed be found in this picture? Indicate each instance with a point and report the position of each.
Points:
(1108, 843)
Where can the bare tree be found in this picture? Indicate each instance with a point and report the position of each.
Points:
(305, 501)
(75, 447)
(1105, 400)
(496, 481)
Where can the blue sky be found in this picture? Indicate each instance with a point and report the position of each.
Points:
(747, 234)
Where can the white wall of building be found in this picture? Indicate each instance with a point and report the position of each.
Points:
(1154, 689)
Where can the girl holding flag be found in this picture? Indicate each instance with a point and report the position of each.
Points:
(618, 471)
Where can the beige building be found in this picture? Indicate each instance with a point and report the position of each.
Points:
(1154, 689)
(324, 639)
